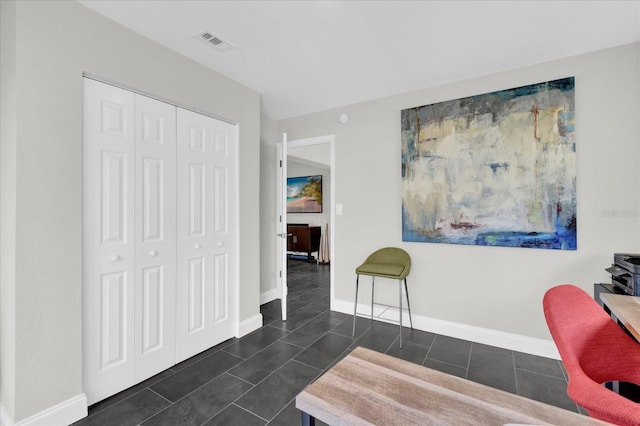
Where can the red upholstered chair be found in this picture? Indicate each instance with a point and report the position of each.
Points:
(594, 350)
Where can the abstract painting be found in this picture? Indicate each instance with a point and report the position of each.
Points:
(497, 169)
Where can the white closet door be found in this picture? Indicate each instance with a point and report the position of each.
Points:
(207, 233)
(159, 234)
(155, 236)
(108, 271)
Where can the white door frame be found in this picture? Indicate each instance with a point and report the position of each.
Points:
(327, 139)
(282, 228)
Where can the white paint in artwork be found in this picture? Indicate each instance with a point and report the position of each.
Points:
(484, 173)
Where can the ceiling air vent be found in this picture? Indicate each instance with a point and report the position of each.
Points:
(215, 41)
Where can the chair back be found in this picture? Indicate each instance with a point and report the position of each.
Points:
(594, 350)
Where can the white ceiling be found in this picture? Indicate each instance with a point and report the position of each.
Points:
(308, 56)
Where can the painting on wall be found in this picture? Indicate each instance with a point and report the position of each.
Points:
(497, 169)
(304, 194)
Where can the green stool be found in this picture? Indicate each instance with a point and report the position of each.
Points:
(389, 262)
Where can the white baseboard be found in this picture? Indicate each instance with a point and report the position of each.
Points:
(515, 342)
(62, 414)
(269, 295)
(249, 325)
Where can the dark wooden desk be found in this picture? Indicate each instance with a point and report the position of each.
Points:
(368, 387)
(303, 238)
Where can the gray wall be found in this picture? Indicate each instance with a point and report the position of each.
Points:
(8, 146)
(494, 288)
(56, 41)
(269, 138)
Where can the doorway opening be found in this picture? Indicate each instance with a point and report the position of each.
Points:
(307, 218)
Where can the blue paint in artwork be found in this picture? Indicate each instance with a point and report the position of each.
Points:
(563, 85)
(564, 237)
(496, 166)
(566, 120)
(546, 240)
(543, 240)
(518, 239)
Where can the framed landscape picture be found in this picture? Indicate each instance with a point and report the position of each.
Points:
(304, 194)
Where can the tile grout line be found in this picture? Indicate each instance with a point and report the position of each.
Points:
(515, 372)
(250, 412)
(239, 378)
(134, 393)
(161, 396)
(428, 350)
(426, 357)
(469, 361)
(257, 384)
(540, 373)
(325, 333)
(196, 389)
(159, 411)
(227, 352)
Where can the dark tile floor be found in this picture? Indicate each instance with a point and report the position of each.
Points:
(254, 380)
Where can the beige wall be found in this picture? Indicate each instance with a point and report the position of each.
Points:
(493, 288)
(269, 137)
(56, 41)
(8, 145)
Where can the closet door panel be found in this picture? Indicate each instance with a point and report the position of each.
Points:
(113, 333)
(221, 289)
(195, 304)
(153, 312)
(194, 226)
(204, 293)
(108, 255)
(155, 236)
(197, 199)
(225, 233)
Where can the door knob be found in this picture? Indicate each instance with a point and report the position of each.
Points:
(115, 258)
(153, 253)
(220, 244)
(197, 246)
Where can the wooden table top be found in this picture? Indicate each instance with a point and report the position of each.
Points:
(626, 309)
(368, 387)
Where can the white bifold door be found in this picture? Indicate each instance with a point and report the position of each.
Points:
(207, 242)
(159, 235)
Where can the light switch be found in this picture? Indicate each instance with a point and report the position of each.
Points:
(338, 209)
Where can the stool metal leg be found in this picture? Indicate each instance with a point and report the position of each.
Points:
(373, 283)
(406, 290)
(355, 306)
(400, 287)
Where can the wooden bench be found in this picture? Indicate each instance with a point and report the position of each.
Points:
(367, 387)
